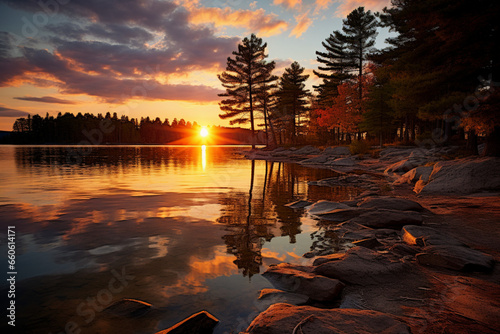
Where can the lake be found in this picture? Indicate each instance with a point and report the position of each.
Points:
(185, 228)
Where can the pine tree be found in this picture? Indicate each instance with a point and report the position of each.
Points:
(378, 119)
(442, 51)
(359, 33)
(336, 62)
(293, 98)
(266, 100)
(242, 79)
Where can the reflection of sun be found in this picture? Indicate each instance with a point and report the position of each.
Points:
(203, 132)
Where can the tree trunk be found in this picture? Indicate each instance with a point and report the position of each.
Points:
(471, 146)
(271, 126)
(493, 143)
(265, 125)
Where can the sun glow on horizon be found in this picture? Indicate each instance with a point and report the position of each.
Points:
(204, 132)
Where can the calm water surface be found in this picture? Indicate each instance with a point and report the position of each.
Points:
(183, 228)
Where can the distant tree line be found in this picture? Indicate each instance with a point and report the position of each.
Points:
(111, 129)
(436, 83)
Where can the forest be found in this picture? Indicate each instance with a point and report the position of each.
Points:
(89, 129)
(434, 84)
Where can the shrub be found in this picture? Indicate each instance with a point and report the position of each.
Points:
(359, 147)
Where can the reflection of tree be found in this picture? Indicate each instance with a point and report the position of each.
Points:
(250, 218)
(248, 223)
(283, 189)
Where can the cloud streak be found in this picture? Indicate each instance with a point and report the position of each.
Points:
(45, 99)
(254, 20)
(9, 112)
(289, 4)
(303, 23)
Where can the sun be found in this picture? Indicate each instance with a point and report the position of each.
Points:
(203, 132)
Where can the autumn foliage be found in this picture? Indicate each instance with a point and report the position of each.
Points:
(346, 109)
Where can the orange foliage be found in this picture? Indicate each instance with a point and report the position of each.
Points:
(346, 108)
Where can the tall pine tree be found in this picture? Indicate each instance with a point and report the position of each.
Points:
(358, 35)
(243, 76)
(293, 98)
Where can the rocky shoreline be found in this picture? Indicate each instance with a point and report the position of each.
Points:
(416, 262)
(419, 249)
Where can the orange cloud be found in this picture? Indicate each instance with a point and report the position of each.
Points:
(255, 20)
(303, 23)
(288, 3)
(348, 6)
(322, 4)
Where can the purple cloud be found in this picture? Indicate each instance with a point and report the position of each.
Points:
(8, 112)
(45, 99)
(115, 51)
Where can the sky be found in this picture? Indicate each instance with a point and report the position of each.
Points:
(156, 58)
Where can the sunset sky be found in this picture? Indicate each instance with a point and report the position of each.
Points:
(154, 58)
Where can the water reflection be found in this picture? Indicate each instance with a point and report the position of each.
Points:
(203, 157)
(190, 224)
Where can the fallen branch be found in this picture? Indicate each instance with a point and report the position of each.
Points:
(303, 321)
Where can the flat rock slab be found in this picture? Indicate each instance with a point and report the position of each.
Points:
(201, 322)
(427, 236)
(455, 258)
(298, 204)
(321, 207)
(391, 203)
(128, 308)
(383, 218)
(464, 176)
(328, 258)
(341, 215)
(273, 296)
(285, 277)
(308, 150)
(343, 162)
(285, 318)
(362, 266)
(368, 243)
(339, 150)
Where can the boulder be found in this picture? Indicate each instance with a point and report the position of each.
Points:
(287, 319)
(464, 176)
(368, 243)
(273, 296)
(391, 203)
(416, 174)
(298, 204)
(286, 277)
(128, 308)
(402, 166)
(455, 258)
(321, 207)
(328, 258)
(307, 150)
(388, 218)
(362, 266)
(427, 236)
(336, 151)
(201, 322)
